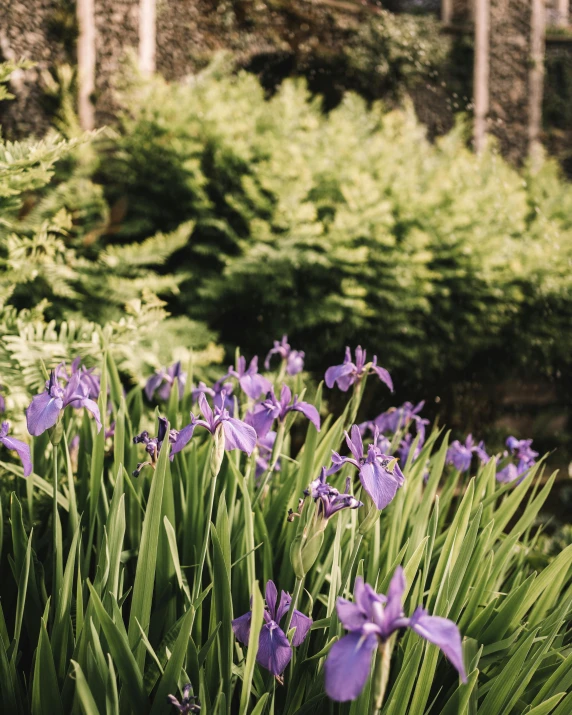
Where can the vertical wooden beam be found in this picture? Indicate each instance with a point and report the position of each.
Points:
(562, 13)
(147, 36)
(446, 12)
(86, 62)
(536, 78)
(481, 72)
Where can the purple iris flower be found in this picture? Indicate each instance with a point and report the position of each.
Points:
(251, 383)
(21, 448)
(163, 381)
(371, 619)
(264, 414)
(189, 702)
(220, 392)
(379, 474)
(294, 358)
(405, 447)
(238, 435)
(400, 417)
(265, 446)
(2, 400)
(349, 372)
(274, 649)
(328, 498)
(522, 451)
(88, 377)
(45, 409)
(460, 455)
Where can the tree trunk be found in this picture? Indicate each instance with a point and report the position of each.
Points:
(536, 79)
(147, 36)
(86, 62)
(481, 72)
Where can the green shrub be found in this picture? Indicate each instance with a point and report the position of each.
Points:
(344, 228)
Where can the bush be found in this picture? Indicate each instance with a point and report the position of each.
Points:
(345, 227)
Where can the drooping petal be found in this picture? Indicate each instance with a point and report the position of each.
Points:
(302, 624)
(338, 462)
(383, 375)
(92, 407)
(241, 627)
(274, 650)
(183, 438)
(379, 483)
(350, 614)
(254, 385)
(342, 374)
(444, 634)
(22, 450)
(308, 411)
(347, 666)
(261, 418)
(43, 413)
(238, 435)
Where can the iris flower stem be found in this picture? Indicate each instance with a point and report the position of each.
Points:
(199, 574)
(275, 456)
(55, 519)
(380, 676)
(294, 602)
(350, 564)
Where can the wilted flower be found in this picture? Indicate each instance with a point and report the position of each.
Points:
(349, 372)
(238, 435)
(379, 474)
(153, 444)
(521, 450)
(21, 448)
(371, 619)
(460, 455)
(189, 703)
(221, 393)
(251, 383)
(163, 381)
(274, 649)
(264, 414)
(45, 409)
(328, 498)
(294, 358)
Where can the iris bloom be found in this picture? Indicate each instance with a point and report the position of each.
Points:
(45, 409)
(251, 383)
(399, 418)
(189, 702)
(379, 474)
(294, 358)
(329, 499)
(88, 377)
(349, 372)
(522, 451)
(220, 392)
(274, 649)
(460, 455)
(163, 381)
(371, 619)
(265, 446)
(264, 414)
(21, 448)
(238, 435)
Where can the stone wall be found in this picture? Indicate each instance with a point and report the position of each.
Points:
(33, 30)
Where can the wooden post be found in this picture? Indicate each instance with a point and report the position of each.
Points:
(536, 79)
(86, 62)
(446, 12)
(562, 13)
(481, 72)
(147, 36)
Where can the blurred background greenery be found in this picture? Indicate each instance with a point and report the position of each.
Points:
(300, 168)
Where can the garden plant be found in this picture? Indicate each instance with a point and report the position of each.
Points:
(237, 548)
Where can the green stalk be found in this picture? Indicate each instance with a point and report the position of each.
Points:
(380, 677)
(217, 455)
(350, 564)
(275, 456)
(294, 602)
